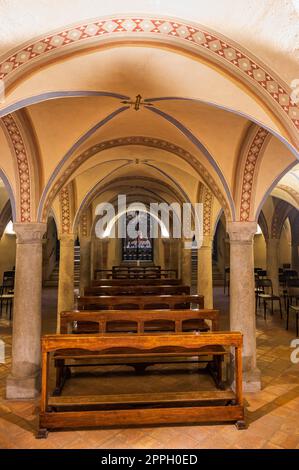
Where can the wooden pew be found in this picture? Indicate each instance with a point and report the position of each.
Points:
(140, 321)
(135, 272)
(135, 282)
(148, 321)
(137, 290)
(141, 409)
(128, 302)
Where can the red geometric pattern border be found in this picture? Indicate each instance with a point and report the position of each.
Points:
(207, 211)
(249, 169)
(157, 27)
(20, 151)
(65, 209)
(83, 225)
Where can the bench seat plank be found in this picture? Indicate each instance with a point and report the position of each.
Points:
(125, 354)
(151, 416)
(141, 398)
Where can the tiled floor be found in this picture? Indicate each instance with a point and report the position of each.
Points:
(273, 413)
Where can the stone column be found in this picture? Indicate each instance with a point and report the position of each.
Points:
(186, 263)
(66, 275)
(105, 243)
(85, 263)
(242, 297)
(166, 247)
(24, 380)
(272, 246)
(204, 271)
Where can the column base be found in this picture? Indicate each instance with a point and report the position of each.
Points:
(252, 380)
(22, 388)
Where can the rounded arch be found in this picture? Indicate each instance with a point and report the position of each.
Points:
(172, 32)
(137, 207)
(281, 212)
(98, 188)
(51, 192)
(270, 189)
(262, 221)
(11, 195)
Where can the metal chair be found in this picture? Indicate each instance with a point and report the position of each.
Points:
(6, 297)
(268, 296)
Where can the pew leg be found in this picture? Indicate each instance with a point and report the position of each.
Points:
(42, 433)
(215, 369)
(240, 425)
(62, 374)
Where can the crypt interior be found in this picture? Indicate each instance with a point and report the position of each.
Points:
(163, 102)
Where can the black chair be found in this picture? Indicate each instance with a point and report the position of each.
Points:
(290, 273)
(6, 298)
(262, 273)
(8, 279)
(267, 295)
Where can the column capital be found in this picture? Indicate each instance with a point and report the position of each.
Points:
(207, 242)
(30, 232)
(241, 232)
(85, 238)
(67, 239)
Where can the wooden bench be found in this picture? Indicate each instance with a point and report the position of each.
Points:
(127, 302)
(137, 290)
(149, 321)
(135, 282)
(146, 408)
(136, 272)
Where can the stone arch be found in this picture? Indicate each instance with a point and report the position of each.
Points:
(18, 130)
(272, 187)
(263, 224)
(95, 192)
(250, 157)
(48, 198)
(281, 212)
(177, 33)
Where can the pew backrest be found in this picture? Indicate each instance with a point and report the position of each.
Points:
(135, 282)
(140, 319)
(137, 290)
(128, 302)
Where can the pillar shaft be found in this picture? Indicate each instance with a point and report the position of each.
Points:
(272, 245)
(24, 380)
(166, 246)
(186, 263)
(242, 297)
(85, 263)
(204, 271)
(66, 275)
